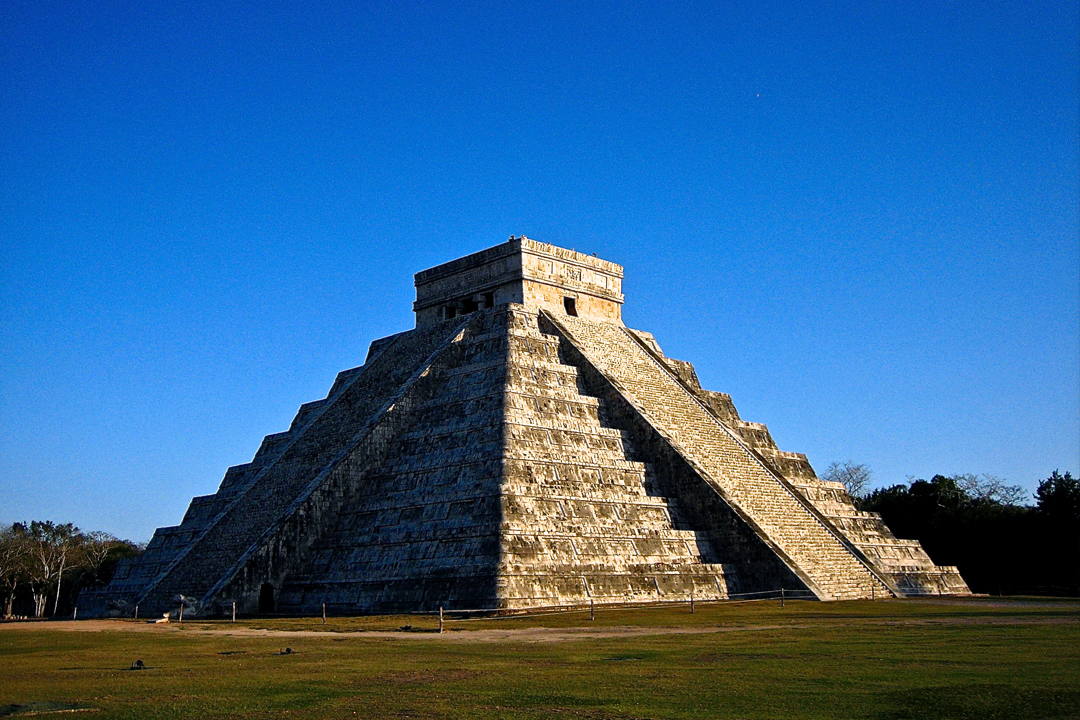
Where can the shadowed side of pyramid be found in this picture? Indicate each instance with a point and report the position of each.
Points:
(257, 528)
(422, 530)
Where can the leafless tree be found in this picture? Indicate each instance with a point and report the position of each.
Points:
(855, 477)
(989, 488)
(14, 559)
(52, 546)
(94, 548)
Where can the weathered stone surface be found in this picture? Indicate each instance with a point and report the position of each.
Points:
(520, 448)
(521, 271)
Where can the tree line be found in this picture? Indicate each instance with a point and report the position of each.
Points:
(984, 526)
(44, 565)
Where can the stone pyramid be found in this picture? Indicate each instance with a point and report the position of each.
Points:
(519, 448)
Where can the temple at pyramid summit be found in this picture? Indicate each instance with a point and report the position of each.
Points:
(519, 448)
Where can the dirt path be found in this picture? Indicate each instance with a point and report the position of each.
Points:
(530, 634)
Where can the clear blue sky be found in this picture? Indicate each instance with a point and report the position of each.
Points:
(859, 219)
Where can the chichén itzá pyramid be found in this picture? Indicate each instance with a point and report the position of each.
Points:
(520, 448)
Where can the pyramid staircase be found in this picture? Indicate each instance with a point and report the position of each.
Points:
(459, 467)
(582, 522)
(508, 455)
(830, 565)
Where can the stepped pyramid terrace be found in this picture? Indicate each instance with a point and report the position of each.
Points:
(519, 448)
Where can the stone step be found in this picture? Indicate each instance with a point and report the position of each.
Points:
(568, 393)
(630, 546)
(585, 422)
(587, 528)
(588, 539)
(613, 588)
(558, 435)
(542, 369)
(605, 492)
(565, 454)
(646, 567)
(573, 471)
(588, 507)
(433, 460)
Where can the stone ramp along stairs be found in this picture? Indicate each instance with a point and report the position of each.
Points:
(828, 563)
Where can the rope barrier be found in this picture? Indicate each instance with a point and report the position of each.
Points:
(494, 614)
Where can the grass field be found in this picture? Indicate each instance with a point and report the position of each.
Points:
(982, 658)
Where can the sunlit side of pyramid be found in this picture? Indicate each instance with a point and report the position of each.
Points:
(519, 448)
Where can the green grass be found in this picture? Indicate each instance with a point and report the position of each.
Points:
(980, 659)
